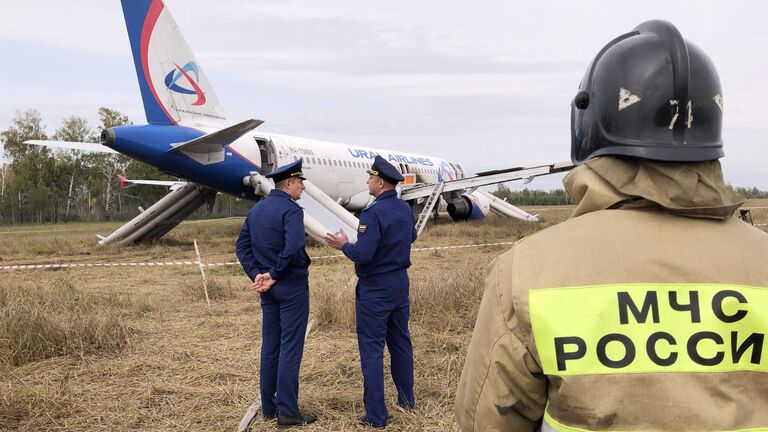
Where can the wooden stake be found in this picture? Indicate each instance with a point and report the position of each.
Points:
(202, 271)
(250, 414)
(309, 328)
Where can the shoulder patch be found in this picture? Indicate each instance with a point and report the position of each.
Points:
(362, 228)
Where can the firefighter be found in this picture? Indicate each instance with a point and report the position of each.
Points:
(646, 310)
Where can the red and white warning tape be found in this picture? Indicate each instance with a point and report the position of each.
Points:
(189, 263)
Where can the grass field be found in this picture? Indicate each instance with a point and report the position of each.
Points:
(139, 349)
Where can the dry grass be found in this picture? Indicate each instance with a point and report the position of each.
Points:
(142, 351)
(47, 319)
(758, 211)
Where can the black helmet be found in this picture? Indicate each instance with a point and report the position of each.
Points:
(649, 94)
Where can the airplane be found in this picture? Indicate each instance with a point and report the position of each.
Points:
(190, 136)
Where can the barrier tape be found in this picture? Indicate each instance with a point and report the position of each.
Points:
(221, 264)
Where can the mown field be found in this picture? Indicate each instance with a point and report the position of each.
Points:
(139, 348)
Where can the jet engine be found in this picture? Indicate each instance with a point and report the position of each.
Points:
(471, 206)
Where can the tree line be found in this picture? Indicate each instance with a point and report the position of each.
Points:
(561, 197)
(40, 185)
(533, 197)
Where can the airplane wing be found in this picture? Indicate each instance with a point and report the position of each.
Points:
(475, 203)
(484, 179)
(89, 147)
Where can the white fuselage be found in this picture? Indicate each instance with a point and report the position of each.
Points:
(339, 170)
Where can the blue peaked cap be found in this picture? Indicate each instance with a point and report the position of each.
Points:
(386, 171)
(287, 171)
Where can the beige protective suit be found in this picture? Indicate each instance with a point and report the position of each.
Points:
(647, 310)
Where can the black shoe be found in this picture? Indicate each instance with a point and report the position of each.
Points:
(271, 416)
(300, 420)
(363, 420)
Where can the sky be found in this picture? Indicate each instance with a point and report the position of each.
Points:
(484, 83)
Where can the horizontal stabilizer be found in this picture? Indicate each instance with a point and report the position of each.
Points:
(89, 147)
(213, 142)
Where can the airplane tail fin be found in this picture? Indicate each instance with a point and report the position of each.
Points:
(173, 86)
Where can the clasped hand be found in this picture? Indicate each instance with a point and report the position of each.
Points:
(262, 283)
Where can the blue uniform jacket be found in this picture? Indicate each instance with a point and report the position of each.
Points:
(272, 240)
(384, 239)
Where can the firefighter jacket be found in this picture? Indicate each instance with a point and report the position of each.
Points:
(646, 310)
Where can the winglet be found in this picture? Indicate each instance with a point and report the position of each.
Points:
(123, 181)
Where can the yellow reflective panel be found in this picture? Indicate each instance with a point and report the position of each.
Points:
(559, 427)
(639, 328)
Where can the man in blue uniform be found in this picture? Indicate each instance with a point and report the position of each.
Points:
(381, 256)
(271, 250)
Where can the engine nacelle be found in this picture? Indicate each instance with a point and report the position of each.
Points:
(471, 206)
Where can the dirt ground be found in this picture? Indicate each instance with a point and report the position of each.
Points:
(138, 348)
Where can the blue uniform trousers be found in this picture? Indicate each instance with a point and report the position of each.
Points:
(285, 309)
(381, 313)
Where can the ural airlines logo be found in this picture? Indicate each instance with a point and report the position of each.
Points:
(445, 173)
(174, 76)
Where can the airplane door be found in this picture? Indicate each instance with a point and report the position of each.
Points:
(267, 153)
(459, 170)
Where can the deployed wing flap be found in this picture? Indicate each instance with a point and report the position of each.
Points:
(488, 178)
(89, 147)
